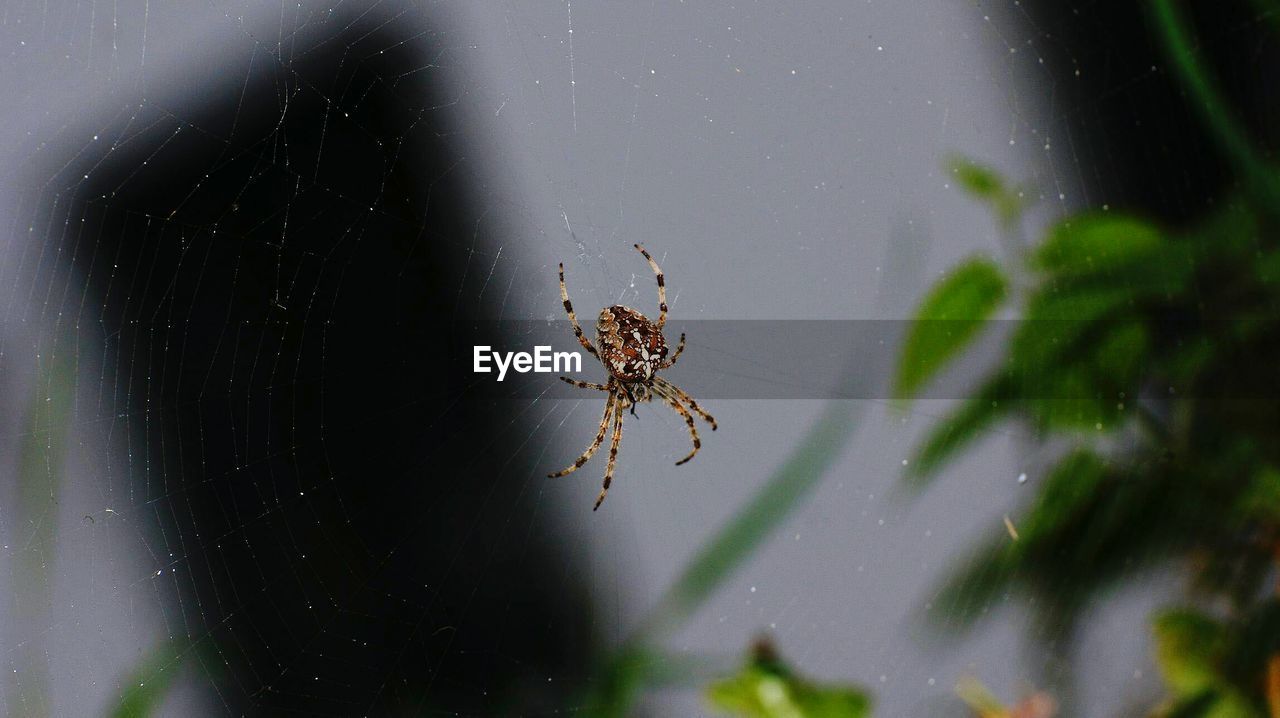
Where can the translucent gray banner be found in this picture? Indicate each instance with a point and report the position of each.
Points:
(826, 359)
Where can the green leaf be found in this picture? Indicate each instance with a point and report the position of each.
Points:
(1056, 321)
(1071, 487)
(980, 181)
(148, 683)
(1069, 490)
(1075, 374)
(1213, 668)
(1261, 499)
(968, 594)
(1077, 304)
(987, 185)
(957, 430)
(948, 318)
(1187, 646)
(1098, 243)
(1211, 704)
(765, 688)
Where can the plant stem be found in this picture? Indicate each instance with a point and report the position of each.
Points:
(631, 666)
(1208, 101)
(745, 531)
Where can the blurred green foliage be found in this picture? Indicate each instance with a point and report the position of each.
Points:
(1209, 665)
(766, 688)
(984, 704)
(41, 457)
(148, 683)
(986, 184)
(1154, 354)
(641, 662)
(1150, 354)
(950, 316)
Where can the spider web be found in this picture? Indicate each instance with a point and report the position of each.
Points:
(247, 247)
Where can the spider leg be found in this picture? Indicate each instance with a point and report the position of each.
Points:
(672, 360)
(662, 288)
(613, 456)
(573, 318)
(688, 419)
(682, 395)
(631, 399)
(591, 450)
(584, 384)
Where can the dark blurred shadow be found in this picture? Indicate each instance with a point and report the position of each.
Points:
(353, 535)
(1116, 94)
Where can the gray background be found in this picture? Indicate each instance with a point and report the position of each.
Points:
(779, 160)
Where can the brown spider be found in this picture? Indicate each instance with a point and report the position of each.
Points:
(632, 350)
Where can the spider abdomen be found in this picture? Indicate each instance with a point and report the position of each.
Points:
(631, 346)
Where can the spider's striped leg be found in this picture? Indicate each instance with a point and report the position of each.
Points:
(672, 360)
(595, 444)
(683, 395)
(625, 399)
(631, 402)
(584, 384)
(613, 456)
(573, 318)
(688, 419)
(662, 288)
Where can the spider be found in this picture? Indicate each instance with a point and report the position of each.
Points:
(632, 350)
